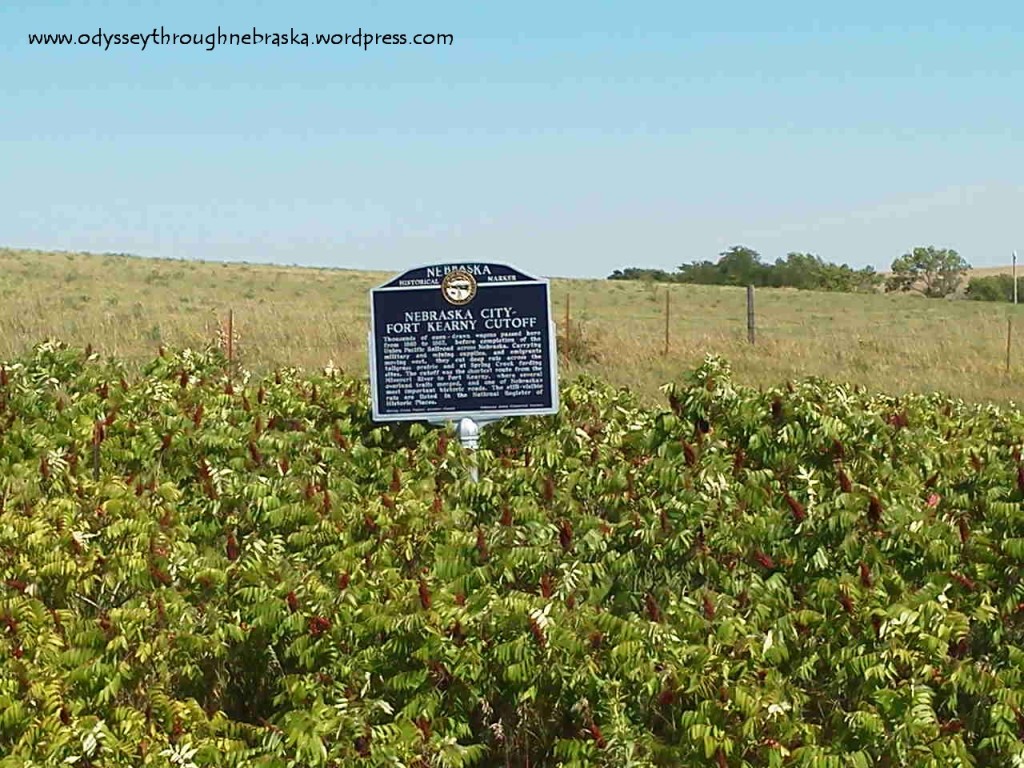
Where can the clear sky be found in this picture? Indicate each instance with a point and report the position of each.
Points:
(566, 138)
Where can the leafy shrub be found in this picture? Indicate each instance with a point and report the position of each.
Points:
(994, 288)
(254, 573)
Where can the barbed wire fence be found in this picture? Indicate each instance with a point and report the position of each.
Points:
(666, 324)
(938, 339)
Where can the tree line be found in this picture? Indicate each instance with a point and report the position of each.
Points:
(927, 270)
(743, 266)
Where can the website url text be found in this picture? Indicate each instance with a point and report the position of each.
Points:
(209, 41)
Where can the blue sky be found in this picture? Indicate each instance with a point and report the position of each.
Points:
(568, 139)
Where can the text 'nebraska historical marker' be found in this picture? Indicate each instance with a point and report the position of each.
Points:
(462, 340)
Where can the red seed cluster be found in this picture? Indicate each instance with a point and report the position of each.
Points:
(653, 609)
(549, 489)
(964, 528)
(764, 560)
(318, 625)
(846, 602)
(875, 511)
(565, 534)
(689, 454)
(546, 586)
(865, 575)
(481, 545)
(796, 508)
(709, 607)
(538, 633)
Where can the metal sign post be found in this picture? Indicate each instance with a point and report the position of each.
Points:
(469, 436)
(469, 431)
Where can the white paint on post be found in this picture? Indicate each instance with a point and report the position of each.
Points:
(469, 437)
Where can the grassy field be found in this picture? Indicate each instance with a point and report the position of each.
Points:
(305, 317)
(989, 271)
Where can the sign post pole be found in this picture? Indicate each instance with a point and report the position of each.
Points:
(469, 436)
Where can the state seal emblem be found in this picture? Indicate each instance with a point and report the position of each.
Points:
(458, 287)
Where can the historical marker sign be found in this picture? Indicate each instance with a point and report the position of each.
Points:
(459, 341)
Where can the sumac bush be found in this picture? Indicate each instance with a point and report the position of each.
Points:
(201, 568)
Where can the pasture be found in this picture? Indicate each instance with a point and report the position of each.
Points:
(304, 317)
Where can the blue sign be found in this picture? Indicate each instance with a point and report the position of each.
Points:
(456, 341)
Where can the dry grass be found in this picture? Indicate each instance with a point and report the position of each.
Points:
(305, 317)
(989, 271)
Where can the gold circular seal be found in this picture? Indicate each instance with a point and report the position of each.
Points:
(458, 287)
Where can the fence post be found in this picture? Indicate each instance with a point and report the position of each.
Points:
(1009, 335)
(668, 293)
(750, 314)
(568, 301)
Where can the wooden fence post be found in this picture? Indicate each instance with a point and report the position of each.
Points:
(1009, 336)
(750, 315)
(568, 320)
(668, 293)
